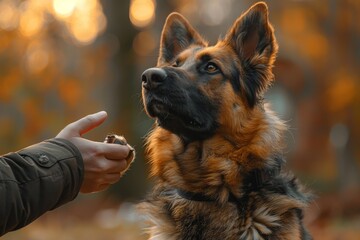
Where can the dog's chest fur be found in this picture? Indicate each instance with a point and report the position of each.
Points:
(257, 212)
(254, 216)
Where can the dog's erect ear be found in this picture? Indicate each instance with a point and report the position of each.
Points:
(177, 35)
(252, 38)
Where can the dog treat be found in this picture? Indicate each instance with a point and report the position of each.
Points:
(116, 139)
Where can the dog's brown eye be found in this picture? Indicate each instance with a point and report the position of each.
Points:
(176, 63)
(211, 67)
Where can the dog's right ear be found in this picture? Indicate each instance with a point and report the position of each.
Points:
(253, 40)
(177, 35)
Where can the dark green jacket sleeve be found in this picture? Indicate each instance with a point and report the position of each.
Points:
(37, 179)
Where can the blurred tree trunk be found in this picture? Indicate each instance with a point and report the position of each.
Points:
(125, 93)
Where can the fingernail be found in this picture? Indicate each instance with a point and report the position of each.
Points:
(101, 113)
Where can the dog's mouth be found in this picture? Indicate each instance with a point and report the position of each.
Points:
(173, 119)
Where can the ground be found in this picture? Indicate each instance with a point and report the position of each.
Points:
(101, 217)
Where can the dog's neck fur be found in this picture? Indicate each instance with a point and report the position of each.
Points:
(218, 164)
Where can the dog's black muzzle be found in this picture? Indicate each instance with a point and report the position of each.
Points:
(177, 103)
(153, 77)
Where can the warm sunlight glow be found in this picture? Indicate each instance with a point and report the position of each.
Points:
(8, 15)
(31, 23)
(82, 30)
(142, 12)
(86, 24)
(37, 57)
(87, 5)
(83, 20)
(64, 8)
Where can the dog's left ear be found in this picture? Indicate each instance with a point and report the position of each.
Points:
(176, 36)
(253, 40)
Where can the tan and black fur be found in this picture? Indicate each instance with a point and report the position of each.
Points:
(216, 149)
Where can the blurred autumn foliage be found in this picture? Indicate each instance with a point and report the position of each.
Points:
(63, 59)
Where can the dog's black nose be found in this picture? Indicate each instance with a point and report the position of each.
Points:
(153, 77)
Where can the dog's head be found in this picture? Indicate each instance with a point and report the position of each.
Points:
(196, 88)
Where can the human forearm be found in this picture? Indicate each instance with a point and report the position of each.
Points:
(37, 179)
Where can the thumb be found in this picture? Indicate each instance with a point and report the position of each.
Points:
(89, 122)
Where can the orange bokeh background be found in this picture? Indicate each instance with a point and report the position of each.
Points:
(63, 59)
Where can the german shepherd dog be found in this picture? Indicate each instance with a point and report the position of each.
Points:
(216, 148)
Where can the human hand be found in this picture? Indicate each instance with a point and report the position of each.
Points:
(103, 162)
